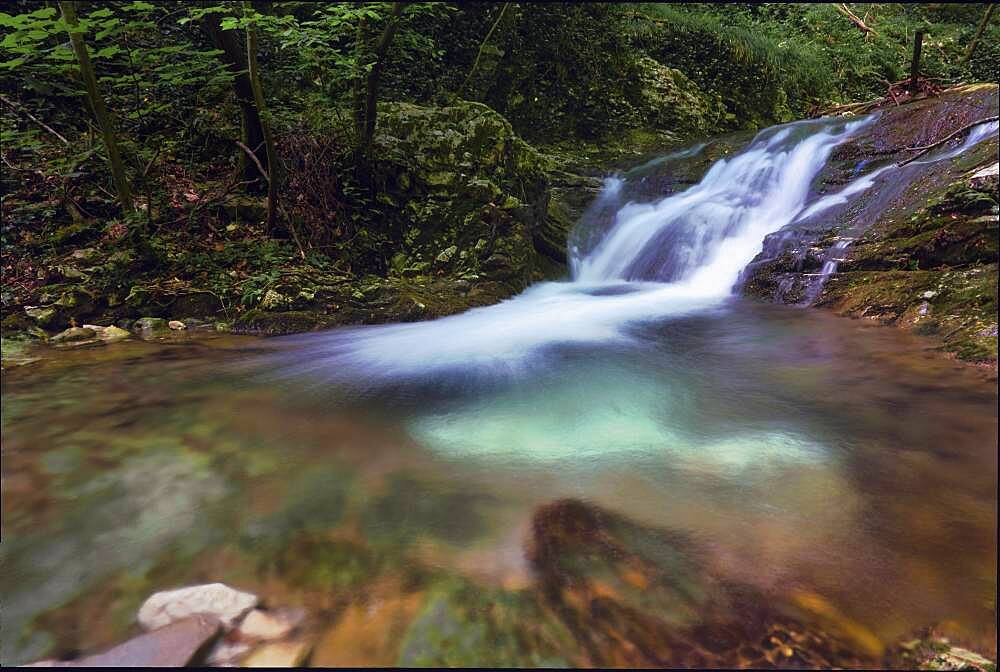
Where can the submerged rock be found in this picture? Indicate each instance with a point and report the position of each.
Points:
(74, 334)
(149, 325)
(13, 352)
(215, 599)
(635, 596)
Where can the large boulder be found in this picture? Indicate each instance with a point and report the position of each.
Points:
(468, 196)
(672, 101)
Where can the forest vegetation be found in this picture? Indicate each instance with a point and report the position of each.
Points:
(230, 160)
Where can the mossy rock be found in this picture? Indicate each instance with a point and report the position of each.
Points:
(462, 625)
(16, 322)
(672, 101)
(267, 323)
(452, 176)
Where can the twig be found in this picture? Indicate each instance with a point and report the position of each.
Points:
(926, 148)
(846, 106)
(18, 106)
(842, 8)
(486, 39)
(295, 235)
(253, 157)
(979, 33)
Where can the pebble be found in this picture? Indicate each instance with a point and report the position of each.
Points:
(176, 324)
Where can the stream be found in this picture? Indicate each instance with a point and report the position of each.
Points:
(803, 454)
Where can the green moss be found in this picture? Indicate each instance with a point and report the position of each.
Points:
(273, 324)
(466, 626)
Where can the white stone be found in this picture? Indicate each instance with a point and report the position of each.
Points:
(260, 624)
(176, 324)
(928, 295)
(216, 599)
(988, 171)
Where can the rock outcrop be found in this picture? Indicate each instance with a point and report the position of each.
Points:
(919, 251)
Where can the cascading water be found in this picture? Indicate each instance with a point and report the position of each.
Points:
(703, 237)
(679, 254)
(860, 184)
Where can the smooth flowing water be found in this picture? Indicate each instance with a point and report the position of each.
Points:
(845, 470)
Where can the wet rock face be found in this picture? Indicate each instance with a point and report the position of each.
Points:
(934, 273)
(924, 227)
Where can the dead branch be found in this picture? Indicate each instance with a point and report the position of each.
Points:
(486, 39)
(29, 115)
(836, 109)
(979, 33)
(253, 157)
(842, 8)
(926, 148)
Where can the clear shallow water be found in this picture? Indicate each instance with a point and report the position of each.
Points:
(800, 452)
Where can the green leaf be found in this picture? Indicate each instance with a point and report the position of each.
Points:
(107, 51)
(43, 13)
(12, 21)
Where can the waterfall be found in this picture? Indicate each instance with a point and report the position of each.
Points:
(706, 235)
(630, 262)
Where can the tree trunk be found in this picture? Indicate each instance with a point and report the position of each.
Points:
(251, 129)
(918, 41)
(101, 113)
(371, 98)
(979, 33)
(358, 85)
(258, 95)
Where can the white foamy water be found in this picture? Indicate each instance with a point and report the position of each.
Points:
(680, 254)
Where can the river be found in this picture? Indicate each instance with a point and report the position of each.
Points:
(810, 459)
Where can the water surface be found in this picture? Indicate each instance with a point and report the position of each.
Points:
(804, 452)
